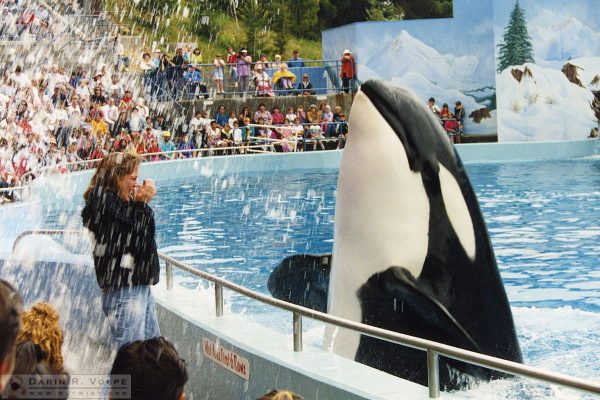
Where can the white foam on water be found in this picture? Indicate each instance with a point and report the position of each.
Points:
(562, 340)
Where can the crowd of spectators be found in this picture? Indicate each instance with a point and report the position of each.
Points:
(185, 75)
(31, 347)
(291, 129)
(52, 117)
(18, 21)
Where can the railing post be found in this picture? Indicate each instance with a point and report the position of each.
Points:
(219, 300)
(433, 374)
(169, 273)
(297, 332)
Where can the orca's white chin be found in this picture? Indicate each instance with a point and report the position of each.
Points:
(381, 217)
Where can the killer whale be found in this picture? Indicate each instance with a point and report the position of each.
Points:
(411, 250)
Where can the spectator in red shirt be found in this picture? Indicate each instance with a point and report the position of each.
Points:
(277, 117)
(232, 61)
(348, 71)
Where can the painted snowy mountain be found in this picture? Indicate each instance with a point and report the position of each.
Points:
(537, 104)
(428, 73)
(405, 55)
(559, 39)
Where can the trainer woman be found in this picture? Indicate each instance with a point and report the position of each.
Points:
(125, 258)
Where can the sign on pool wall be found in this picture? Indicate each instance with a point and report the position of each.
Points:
(226, 358)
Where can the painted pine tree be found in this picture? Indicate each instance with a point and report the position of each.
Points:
(516, 48)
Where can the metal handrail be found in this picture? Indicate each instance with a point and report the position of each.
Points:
(172, 76)
(44, 232)
(304, 126)
(24, 191)
(294, 141)
(433, 349)
(247, 147)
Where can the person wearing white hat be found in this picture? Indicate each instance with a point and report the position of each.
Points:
(348, 71)
(146, 64)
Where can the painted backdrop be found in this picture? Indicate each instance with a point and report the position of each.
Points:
(459, 58)
(549, 97)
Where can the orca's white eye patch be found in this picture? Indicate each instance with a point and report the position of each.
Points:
(457, 211)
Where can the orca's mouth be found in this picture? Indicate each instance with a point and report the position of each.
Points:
(416, 127)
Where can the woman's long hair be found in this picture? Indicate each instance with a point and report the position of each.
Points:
(40, 325)
(110, 170)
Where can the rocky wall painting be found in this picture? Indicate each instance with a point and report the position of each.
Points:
(548, 69)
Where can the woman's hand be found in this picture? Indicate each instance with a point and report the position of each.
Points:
(146, 192)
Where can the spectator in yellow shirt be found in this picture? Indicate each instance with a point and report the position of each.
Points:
(99, 126)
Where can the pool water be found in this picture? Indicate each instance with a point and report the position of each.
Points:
(543, 219)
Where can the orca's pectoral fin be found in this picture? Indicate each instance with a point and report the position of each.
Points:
(302, 279)
(393, 299)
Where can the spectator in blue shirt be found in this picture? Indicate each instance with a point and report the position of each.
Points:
(221, 117)
(193, 79)
(186, 144)
(296, 60)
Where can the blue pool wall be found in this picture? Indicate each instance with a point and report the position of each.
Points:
(74, 184)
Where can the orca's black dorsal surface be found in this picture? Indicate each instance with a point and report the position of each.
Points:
(411, 250)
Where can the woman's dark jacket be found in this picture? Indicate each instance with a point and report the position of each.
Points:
(125, 250)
